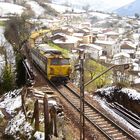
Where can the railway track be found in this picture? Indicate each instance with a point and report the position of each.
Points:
(106, 126)
(127, 115)
(96, 118)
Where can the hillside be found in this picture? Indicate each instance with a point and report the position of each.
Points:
(6, 8)
(130, 9)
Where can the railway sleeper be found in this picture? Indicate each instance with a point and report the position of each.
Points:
(108, 128)
(100, 120)
(118, 135)
(92, 118)
(89, 109)
(91, 113)
(97, 117)
(105, 125)
(102, 123)
(121, 138)
(112, 131)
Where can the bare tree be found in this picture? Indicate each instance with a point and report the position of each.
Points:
(86, 8)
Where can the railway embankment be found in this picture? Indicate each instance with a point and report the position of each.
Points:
(128, 98)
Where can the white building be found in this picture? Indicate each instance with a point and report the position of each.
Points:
(93, 50)
(121, 58)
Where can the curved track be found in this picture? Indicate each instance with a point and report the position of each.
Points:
(96, 118)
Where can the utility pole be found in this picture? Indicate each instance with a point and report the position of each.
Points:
(82, 100)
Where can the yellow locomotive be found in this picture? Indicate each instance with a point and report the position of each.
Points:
(51, 62)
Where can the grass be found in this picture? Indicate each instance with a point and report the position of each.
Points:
(2, 23)
(64, 51)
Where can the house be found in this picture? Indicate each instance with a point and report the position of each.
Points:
(93, 50)
(128, 47)
(111, 35)
(137, 54)
(85, 25)
(101, 36)
(121, 58)
(86, 37)
(65, 41)
(106, 45)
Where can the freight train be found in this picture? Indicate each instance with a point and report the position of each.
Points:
(51, 62)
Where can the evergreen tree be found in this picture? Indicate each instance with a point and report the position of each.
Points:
(7, 78)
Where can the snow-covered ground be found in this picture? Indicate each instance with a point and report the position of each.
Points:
(9, 50)
(99, 15)
(38, 10)
(9, 8)
(117, 117)
(12, 100)
(62, 9)
(19, 124)
(131, 93)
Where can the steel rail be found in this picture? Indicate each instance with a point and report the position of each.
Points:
(98, 113)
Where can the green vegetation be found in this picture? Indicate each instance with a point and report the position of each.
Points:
(17, 32)
(2, 23)
(92, 69)
(64, 51)
(7, 78)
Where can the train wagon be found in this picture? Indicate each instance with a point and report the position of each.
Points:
(51, 61)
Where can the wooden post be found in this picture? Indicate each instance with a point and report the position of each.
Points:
(23, 95)
(36, 115)
(53, 120)
(55, 126)
(46, 118)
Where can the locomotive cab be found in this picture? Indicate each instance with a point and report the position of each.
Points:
(59, 68)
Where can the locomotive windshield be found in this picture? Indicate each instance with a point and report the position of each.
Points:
(58, 61)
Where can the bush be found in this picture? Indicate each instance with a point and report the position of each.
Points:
(7, 78)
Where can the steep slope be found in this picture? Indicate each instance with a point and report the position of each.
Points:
(130, 9)
(6, 8)
(102, 5)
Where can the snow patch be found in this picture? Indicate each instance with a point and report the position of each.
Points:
(9, 8)
(9, 50)
(116, 116)
(12, 100)
(1, 114)
(38, 10)
(133, 94)
(39, 135)
(18, 126)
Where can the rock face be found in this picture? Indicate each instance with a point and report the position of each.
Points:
(128, 98)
